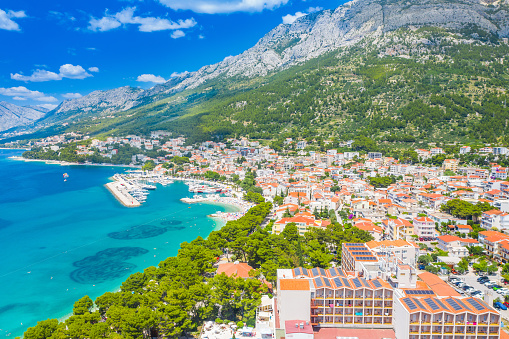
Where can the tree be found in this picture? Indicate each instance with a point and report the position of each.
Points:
(425, 259)
(149, 165)
(43, 329)
(278, 200)
(82, 306)
(432, 268)
(482, 266)
(463, 264)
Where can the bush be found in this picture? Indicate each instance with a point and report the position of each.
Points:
(240, 324)
(219, 321)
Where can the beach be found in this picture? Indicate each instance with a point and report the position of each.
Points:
(66, 163)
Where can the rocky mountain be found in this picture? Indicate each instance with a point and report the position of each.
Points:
(14, 116)
(361, 24)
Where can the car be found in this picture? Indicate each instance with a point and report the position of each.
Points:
(500, 306)
(454, 271)
(506, 304)
(421, 267)
(483, 278)
(502, 290)
(496, 287)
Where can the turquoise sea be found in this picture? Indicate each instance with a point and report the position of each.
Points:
(62, 240)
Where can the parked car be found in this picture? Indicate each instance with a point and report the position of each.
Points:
(483, 278)
(500, 306)
(506, 304)
(496, 287)
(502, 290)
(421, 267)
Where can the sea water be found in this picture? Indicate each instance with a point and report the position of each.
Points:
(61, 240)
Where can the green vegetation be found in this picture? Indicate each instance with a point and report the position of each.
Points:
(464, 209)
(174, 298)
(381, 182)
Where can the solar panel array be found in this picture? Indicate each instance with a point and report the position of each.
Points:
(476, 304)
(453, 304)
(410, 303)
(462, 304)
(418, 292)
(376, 283)
(318, 282)
(337, 281)
(356, 249)
(333, 272)
(315, 272)
(345, 282)
(322, 272)
(327, 282)
(365, 258)
(296, 271)
(357, 282)
(440, 303)
(431, 303)
(353, 244)
(418, 302)
(361, 253)
(304, 271)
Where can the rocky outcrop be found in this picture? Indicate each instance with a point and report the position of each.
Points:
(14, 116)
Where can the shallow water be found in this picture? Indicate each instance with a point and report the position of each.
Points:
(62, 240)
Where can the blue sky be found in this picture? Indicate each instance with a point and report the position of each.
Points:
(55, 50)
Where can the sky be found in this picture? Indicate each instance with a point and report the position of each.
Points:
(57, 50)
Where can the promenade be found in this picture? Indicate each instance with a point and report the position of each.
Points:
(118, 189)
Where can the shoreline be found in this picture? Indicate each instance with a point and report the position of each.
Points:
(66, 163)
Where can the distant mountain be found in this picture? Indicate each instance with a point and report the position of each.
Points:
(416, 45)
(14, 116)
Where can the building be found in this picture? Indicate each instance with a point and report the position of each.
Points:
(495, 218)
(404, 251)
(375, 155)
(424, 227)
(353, 254)
(445, 318)
(451, 164)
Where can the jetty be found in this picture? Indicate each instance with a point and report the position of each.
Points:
(120, 192)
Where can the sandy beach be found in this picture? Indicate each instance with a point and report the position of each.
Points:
(65, 163)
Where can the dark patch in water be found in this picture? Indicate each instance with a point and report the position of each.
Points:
(176, 228)
(105, 265)
(4, 223)
(171, 222)
(9, 307)
(138, 232)
(42, 247)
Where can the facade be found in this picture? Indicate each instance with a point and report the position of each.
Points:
(495, 218)
(451, 164)
(353, 254)
(424, 227)
(445, 318)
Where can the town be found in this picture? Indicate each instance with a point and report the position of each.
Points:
(437, 261)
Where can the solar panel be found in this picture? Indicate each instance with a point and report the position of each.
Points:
(418, 302)
(296, 271)
(356, 282)
(364, 282)
(361, 253)
(410, 303)
(333, 272)
(438, 301)
(327, 282)
(377, 283)
(337, 281)
(476, 305)
(318, 282)
(461, 303)
(345, 282)
(315, 272)
(418, 292)
(304, 271)
(431, 304)
(453, 304)
(322, 271)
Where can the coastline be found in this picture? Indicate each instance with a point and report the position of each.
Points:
(66, 163)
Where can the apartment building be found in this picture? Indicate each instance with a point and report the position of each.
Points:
(495, 218)
(445, 318)
(424, 227)
(354, 254)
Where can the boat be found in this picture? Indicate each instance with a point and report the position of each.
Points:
(148, 187)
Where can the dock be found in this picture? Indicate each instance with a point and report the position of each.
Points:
(119, 191)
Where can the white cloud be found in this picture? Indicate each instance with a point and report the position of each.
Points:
(6, 21)
(103, 24)
(72, 95)
(289, 19)
(179, 74)
(145, 24)
(66, 71)
(39, 75)
(201, 36)
(178, 34)
(23, 93)
(151, 78)
(223, 6)
(48, 106)
(314, 9)
(93, 69)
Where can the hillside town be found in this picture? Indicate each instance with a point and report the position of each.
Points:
(437, 261)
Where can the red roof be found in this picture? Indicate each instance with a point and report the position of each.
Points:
(294, 326)
(239, 269)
